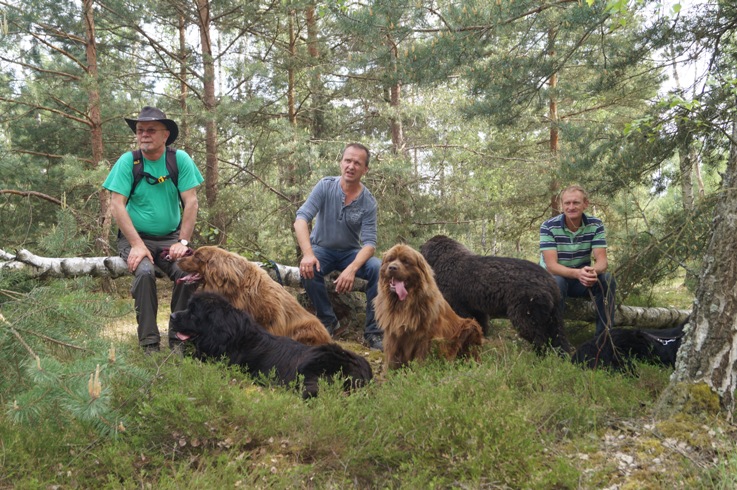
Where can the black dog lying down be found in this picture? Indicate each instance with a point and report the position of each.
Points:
(623, 345)
(217, 329)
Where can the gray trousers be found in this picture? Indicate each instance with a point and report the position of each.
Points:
(144, 291)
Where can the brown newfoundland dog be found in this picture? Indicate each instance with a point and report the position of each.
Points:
(484, 287)
(415, 317)
(249, 288)
(219, 330)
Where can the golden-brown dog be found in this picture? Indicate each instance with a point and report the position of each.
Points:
(414, 315)
(249, 288)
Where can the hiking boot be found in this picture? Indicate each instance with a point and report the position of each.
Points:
(150, 349)
(374, 342)
(337, 330)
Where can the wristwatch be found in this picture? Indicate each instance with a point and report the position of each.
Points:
(184, 242)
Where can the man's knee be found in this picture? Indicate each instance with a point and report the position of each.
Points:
(608, 283)
(373, 266)
(145, 270)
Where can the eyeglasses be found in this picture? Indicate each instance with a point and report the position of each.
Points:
(149, 131)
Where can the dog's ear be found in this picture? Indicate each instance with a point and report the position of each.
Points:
(217, 274)
(224, 269)
(423, 267)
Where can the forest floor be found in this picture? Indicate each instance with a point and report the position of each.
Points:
(632, 453)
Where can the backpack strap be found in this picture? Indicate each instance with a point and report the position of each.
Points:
(171, 167)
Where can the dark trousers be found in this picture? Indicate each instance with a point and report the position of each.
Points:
(144, 291)
(603, 292)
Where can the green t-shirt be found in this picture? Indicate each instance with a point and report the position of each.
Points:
(154, 208)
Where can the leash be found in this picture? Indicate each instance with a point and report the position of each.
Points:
(275, 266)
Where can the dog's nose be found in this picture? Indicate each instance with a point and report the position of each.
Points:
(392, 267)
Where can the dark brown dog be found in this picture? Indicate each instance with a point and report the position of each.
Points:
(484, 287)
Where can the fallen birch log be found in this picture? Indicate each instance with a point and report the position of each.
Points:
(114, 267)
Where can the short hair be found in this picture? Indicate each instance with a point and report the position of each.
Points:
(574, 188)
(360, 147)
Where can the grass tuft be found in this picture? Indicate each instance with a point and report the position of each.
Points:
(79, 417)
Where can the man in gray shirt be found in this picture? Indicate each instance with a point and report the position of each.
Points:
(343, 238)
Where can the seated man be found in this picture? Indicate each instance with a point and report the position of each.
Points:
(344, 239)
(567, 243)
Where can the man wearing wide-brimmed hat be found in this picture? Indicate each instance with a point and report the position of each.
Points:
(150, 219)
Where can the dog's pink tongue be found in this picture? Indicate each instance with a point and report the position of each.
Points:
(190, 278)
(400, 290)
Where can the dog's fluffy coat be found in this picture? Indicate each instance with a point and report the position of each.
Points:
(619, 347)
(220, 330)
(484, 287)
(249, 288)
(414, 315)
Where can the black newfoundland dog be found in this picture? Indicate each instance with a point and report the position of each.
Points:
(484, 287)
(622, 346)
(219, 330)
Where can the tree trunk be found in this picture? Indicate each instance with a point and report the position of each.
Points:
(95, 117)
(291, 67)
(395, 100)
(212, 168)
(686, 167)
(706, 358)
(554, 185)
(580, 310)
(686, 153)
(316, 88)
(183, 87)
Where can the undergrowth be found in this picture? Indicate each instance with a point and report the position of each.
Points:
(80, 412)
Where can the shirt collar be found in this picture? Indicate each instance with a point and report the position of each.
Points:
(562, 220)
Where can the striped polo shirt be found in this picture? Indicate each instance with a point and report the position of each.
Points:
(574, 248)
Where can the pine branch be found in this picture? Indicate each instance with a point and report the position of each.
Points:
(18, 336)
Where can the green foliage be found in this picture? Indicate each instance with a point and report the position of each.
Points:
(55, 365)
(669, 242)
(64, 239)
(512, 420)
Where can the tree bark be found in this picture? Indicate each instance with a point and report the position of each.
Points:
(708, 355)
(395, 101)
(685, 164)
(578, 310)
(212, 167)
(316, 85)
(95, 121)
(554, 185)
(183, 87)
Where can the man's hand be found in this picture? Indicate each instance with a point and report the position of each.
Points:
(344, 282)
(307, 266)
(136, 255)
(177, 251)
(587, 276)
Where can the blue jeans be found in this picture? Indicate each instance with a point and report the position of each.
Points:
(331, 260)
(603, 292)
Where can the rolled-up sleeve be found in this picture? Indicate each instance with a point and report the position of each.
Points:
(368, 228)
(311, 206)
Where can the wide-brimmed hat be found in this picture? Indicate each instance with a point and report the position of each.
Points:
(149, 114)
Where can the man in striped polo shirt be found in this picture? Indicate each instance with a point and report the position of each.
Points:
(567, 243)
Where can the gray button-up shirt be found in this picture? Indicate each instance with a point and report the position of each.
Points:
(339, 227)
